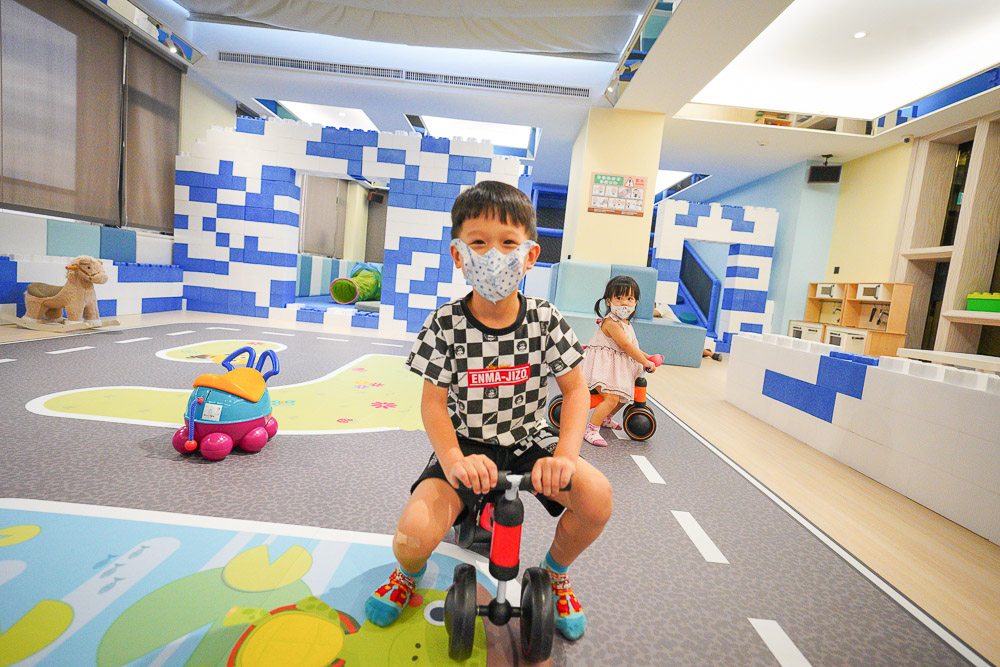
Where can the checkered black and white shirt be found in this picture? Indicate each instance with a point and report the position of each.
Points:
(496, 378)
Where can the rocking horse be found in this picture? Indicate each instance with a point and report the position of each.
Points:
(44, 303)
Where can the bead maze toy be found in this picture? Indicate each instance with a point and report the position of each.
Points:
(229, 409)
(639, 422)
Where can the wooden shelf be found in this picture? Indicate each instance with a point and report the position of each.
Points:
(929, 254)
(972, 317)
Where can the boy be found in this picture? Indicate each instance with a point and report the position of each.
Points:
(484, 359)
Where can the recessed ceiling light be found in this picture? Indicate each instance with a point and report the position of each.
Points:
(860, 35)
(610, 89)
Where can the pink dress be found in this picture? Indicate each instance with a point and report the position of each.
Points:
(608, 366)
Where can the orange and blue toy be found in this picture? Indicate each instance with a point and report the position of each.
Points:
(229, 409)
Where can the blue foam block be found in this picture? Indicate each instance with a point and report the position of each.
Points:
(842, 376)
(250, 125)
(815, 400)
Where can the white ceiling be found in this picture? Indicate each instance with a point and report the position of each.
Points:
(702, 38)
(809, 61)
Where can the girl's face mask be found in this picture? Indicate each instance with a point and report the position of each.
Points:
(622, 312)
(493, 275)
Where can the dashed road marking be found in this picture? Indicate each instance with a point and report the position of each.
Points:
(180, 333)
(781, 646)
(700, 538)
(4, 361)
(387, 344)
(275, 333)
(71, 349)
(620, 434)
(132, 340)
(336, 340)
(647, 469)
(221, 329)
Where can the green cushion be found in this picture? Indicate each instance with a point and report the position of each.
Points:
(580, 284)
(72, 239)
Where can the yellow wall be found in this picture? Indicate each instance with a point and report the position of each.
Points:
(201, 108)
(612, 141)
(356, 224)
(867, 219)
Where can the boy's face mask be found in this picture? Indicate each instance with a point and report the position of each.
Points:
(493, 275)
(623, 311)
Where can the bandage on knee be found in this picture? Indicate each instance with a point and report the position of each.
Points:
(404, 540)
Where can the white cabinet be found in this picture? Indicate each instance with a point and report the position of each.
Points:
(829, 291)
(807, 330)
(874, 292)
(849, 340)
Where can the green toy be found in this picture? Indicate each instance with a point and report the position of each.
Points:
(365, 284)
(984, 302)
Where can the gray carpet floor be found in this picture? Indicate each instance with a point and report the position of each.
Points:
(650, 596)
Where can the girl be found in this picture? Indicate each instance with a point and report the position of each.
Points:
(613, 359)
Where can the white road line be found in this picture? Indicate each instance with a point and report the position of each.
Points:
(4, 361)
(180, 333)
(785, 652)
(701, 540)
(275, 333)
(221, 329)
(71, 349)
(387, 344)
(930, 622)
(336, 340)
(132, 340)
(621, 435)
(647, 469)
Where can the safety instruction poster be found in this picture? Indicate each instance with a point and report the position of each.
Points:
(617, 195)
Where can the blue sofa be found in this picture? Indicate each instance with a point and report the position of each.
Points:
(574, 287)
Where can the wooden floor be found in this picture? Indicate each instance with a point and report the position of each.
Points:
(952, 573)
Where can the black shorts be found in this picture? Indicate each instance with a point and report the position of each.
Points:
(505, 459)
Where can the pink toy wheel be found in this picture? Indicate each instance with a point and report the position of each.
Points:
(180, 441)
(215, 446)
(255, 440)
(271, 426)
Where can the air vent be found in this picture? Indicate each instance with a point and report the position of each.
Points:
(387, 73)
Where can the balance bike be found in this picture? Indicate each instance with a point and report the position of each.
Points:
(639, 422)
(537, 610)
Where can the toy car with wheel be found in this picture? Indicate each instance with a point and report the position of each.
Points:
(638, 420)
(230, 409)
(537, 610)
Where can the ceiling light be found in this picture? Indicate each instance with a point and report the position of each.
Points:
(610, 89)
(329, 116)
(860, 35)
(499, 134)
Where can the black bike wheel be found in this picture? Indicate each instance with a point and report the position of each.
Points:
(640, 424)
(555, 411)
(538, 622)
(460, 612)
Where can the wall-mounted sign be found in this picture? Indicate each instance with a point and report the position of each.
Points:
(617, 195)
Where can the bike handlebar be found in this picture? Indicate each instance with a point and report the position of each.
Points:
(503, 483)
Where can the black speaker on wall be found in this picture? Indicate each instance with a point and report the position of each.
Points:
(826, 172)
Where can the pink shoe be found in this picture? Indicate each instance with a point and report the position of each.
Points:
(593, 436)
(611, 423)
